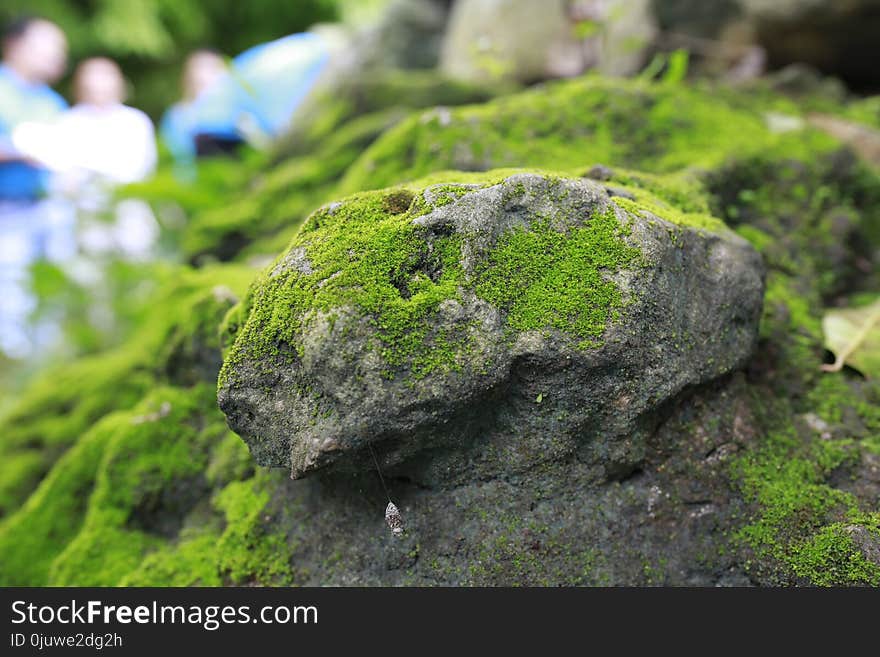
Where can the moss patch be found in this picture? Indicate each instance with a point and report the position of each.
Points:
(161, 494)
(544, 277)
(802, 521)
(652, 127)
(366, 253)
(177, 342)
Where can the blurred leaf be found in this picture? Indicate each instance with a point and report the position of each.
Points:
(133, 27)
(853, 336)
(47, 280)
(586, 29)
(652, 70)
(677, 66)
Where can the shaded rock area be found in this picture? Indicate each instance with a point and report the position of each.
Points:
(522, 322)
(837, 38)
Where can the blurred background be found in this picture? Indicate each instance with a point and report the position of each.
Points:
(227, 101)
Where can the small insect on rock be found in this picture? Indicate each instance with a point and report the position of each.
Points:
(394, 519)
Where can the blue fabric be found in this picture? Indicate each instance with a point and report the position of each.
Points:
(178, 130)
(20, 181)
(275, 77)
(265, 85)
(21, 101)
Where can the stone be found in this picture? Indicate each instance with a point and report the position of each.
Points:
(487, 40)
(479, 330)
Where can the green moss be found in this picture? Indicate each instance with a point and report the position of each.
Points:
(241, 551)
(830, 557)
(249, 552)
(364, 256)
(323, 115)
(366, 253)
(544, 277)
(651, 127)
(161, 494)
(176, 343)
(150, 474)
(802, 522)
(32, 537)
(267, 211)
(808, 206)
(260, 214)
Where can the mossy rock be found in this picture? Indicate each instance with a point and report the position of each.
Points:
(550, 307)
(119, 469)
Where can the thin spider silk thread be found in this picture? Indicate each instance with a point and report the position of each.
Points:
(379, 470)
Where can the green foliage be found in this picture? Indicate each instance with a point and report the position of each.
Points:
(802, 521)
(676, 67)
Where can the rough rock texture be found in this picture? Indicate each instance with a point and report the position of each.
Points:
(537, 319)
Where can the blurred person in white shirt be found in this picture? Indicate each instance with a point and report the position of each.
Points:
(98, 144)
(99, 137)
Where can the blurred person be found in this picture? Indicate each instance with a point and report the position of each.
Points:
(114, 144)
(34, 56)
(112, 140)
(98, 144)
(185, 121)
(100, 139)
(251, 100)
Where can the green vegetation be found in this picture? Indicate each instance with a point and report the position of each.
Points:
(802, 521)
(57, 409)
(139, 500)
(652, 127)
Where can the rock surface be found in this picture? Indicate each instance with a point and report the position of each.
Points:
(487, 40)
(524, 320)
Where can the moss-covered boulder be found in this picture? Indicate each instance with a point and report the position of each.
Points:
(498, 325)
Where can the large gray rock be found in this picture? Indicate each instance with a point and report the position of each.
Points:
(537, 320)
